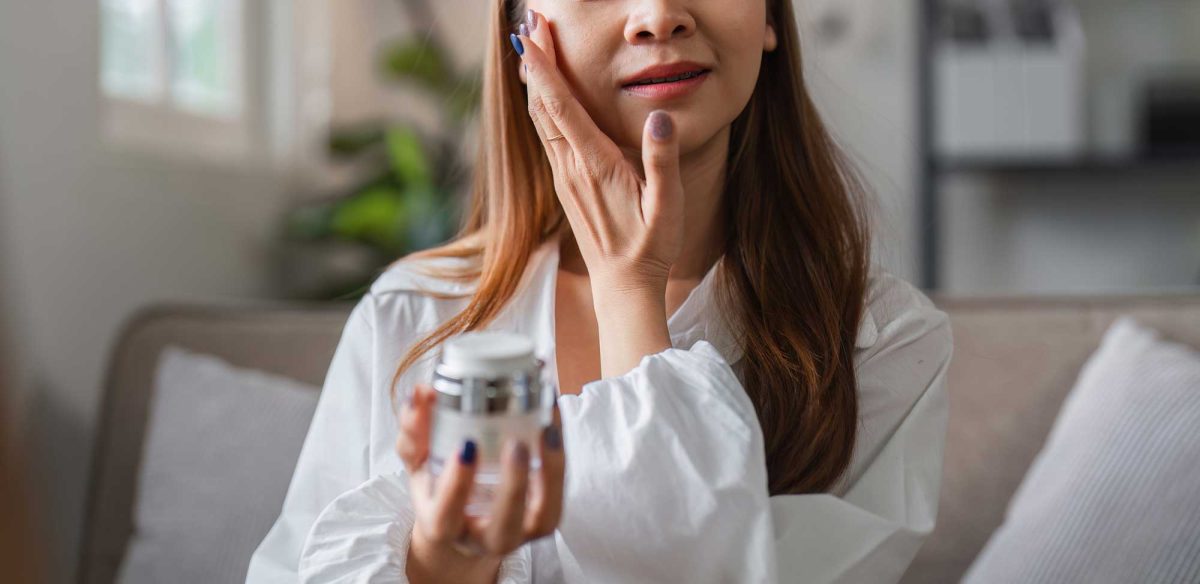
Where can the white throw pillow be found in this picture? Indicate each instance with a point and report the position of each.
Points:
(220, 448)
(1114, 495)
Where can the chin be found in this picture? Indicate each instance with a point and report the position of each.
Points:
(695, 130)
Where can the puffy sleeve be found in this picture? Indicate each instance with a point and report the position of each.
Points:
(334, 456)
(872, 531)
(362, 537)
(674, 488)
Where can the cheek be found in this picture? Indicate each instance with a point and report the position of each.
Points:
(585, 60)
(739, 46)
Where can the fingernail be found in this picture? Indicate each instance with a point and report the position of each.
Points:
(467, 456)
(660, 125)
(552, 437)
(523, 30)
(521, 454)
(516, 43)
(531, 19)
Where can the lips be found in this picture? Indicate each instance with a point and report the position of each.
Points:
(667, 73)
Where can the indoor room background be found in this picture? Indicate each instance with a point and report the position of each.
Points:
(116, 193)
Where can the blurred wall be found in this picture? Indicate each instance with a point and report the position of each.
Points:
(88, 235)
(859, 58)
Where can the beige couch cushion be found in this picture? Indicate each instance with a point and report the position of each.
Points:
(220, 448)
(293, 341)
(1014, 363)
(1111, 497)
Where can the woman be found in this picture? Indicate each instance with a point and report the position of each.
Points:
(641, 158)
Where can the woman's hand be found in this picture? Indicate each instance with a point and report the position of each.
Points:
(449, 546)
(629, 229)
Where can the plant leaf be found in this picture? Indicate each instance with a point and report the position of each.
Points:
(351, 140)
(377, 215)
(419, 60)
(406, 154)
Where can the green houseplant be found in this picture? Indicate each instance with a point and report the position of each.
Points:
(408, 200)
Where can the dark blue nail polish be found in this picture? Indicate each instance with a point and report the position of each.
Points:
(467, 456)
(516, 43)
(523, 30)
(553, 437)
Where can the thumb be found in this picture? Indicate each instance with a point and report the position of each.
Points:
(660, 158)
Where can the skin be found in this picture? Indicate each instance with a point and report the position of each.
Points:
(644, 225)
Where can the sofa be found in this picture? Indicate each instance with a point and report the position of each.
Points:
(1015, 360)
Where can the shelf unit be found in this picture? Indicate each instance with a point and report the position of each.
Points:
(932, 167)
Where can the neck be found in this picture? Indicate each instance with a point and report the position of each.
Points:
(703, 174)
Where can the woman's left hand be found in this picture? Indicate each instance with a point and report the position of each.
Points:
(629, 229)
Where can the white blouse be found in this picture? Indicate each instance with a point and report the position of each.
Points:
(666, 476)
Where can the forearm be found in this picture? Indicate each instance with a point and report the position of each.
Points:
(631, 325)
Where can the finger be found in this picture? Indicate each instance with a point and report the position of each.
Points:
(542, 33)
(660, 158)
(502, 530)
(545, 509)
(539, 30)
(552, 100)
(416, 419)
(559, 151)
(453, 491)
(420, 487)
(555, 146)
(505, 529)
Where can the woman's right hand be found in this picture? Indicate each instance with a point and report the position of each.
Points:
(449, 546)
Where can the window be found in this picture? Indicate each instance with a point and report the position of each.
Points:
(173, 75)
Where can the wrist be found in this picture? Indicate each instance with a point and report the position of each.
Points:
(630, 300)
(634, 315)
(649, 283)
(631, 325)
(430, 563)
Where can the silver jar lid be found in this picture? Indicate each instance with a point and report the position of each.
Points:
(489, 373)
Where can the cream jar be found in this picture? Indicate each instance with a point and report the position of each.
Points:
(490, 387)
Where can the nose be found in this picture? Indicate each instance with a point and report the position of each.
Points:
(659, 20)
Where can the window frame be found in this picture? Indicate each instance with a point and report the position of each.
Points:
(163, 123)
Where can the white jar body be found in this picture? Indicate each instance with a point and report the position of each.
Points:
(451, 429)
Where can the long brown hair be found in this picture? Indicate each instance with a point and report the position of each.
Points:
(795, 266)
